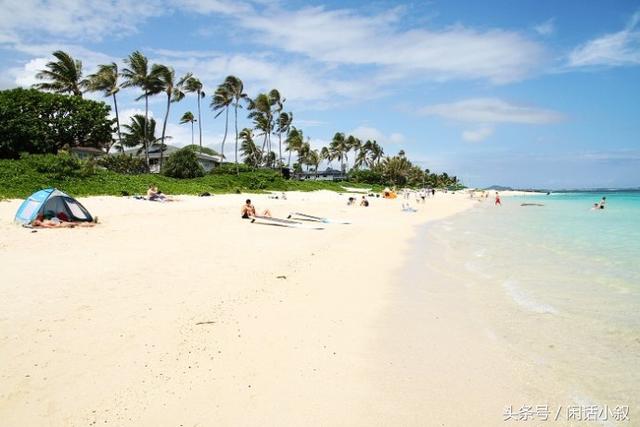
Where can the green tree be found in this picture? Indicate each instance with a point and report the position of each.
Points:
(167, 80)
(192, 84)
(138, 74)
(62, 76)
(140, 133)
(294, 142)
(40, 122)
(188, 118)
(262, 116)
(339, 147)
(325, 155)
(250, 151)
(236, 87)
(376, 154)
(105, 80)
(284, 122)
(396, 169)
(220, 101)
(183, 164)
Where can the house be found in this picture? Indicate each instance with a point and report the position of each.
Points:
(207, 161)
(86, 153)
(326, 175)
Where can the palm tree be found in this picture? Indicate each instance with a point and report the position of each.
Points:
(396, 169)
(250, 151)
(63, 75)
(363, 155)
(314, 158)
(294, 141)
(193, 85)
(137, 74)
(188, 118)
(221, 100)
(339, 148)
(376, 153)
(261, 114)
(167, 80)
(139, 132)
(278, 105)
(236, 88)
(283, 126)
(356, 145)
(325, 154)
(106, 80)
(303, 154)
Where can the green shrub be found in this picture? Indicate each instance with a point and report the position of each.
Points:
(230, 168)
(183, 164)
(57, 166)
(123, 163)
(366, 176)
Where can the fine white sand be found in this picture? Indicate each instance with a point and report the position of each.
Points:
(182, 314)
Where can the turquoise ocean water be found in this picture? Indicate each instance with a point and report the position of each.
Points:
(559, 285)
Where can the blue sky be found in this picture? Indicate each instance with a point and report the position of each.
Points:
(527, 93)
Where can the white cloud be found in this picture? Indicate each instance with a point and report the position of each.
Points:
(342, 36)
(477, 135)
(491, 110)
(546, 28)
(370, 133)
(74, 19)
(614, 49)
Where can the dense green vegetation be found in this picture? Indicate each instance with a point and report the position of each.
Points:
(20, 178)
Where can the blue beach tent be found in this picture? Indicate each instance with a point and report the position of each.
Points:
(49, 203)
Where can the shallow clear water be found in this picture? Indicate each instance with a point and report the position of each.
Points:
(559, 285)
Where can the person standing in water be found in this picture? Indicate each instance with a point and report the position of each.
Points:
(498, 202)
(602, 202)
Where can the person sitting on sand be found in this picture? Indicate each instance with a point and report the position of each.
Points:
(249, 211)
(364, 202)
(352, 201)
(154, 195)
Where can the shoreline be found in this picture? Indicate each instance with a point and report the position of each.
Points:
(178, 312)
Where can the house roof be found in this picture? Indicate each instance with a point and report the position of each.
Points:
(91, 150)
(154, 153)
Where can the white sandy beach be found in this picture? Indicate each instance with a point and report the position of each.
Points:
(182, 314)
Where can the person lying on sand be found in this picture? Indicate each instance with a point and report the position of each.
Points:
(249, 211)
(56, 222)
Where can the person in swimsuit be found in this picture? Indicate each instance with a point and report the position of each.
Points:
(249, 211)
(56, 222)
(498, 202)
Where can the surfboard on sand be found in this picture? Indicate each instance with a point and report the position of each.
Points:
(299, 216)
(281, 222)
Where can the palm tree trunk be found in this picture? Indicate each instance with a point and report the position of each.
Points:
(191, 132)
(279, 148)
(226, 126)
(236, 121)
(115, 106)
(199, 122)
(146, 125)
(164, 129)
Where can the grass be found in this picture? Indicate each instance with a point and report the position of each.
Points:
(19, 179)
